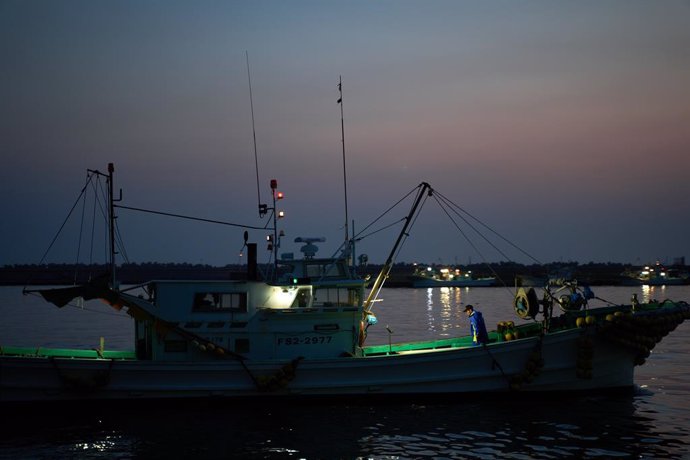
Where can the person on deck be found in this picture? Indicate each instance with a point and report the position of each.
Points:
(477, 326)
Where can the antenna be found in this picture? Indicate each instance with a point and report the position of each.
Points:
(342, 130)
(262, 209)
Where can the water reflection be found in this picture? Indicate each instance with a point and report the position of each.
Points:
(447, 316)
(577, 428)
(650, 293)
(517, 427)
(430, 316)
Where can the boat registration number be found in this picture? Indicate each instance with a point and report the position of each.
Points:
(309, 340)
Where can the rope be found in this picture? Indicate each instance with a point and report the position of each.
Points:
(494, 362)
(387, 211)
(452, 204)
(199, 219)
(81, 232)
(473, 245)
(50, 246)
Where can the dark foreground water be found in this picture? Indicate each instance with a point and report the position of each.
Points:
(651, 422)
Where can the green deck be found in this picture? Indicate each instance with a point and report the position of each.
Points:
(42, 352)
(525, 330)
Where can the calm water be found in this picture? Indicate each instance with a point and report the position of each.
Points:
(653, 422)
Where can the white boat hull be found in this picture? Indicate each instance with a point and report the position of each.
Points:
(431, 283)
(448, 370)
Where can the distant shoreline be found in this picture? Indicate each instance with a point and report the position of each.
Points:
(608, 274)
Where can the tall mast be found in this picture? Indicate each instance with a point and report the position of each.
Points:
(274, 186)
(342, 131)
(111, 221)
(385, 270)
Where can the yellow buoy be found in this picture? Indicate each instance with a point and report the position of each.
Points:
(580, 322)
(610, 317)
(509, 337)
(589, 320)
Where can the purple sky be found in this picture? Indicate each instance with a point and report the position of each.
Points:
(565, 126)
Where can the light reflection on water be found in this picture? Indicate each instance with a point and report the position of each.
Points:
(652, 423)
(584, 427)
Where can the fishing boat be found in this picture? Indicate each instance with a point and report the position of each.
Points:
(426, 276)
(302, 334)
(659, 275)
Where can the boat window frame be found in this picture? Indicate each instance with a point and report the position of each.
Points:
(238, 302)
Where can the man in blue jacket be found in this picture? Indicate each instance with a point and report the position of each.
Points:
(477, 326)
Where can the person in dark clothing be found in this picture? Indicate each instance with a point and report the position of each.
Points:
(477, 326)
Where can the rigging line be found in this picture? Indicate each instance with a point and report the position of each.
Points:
(342, 129)
(96, 202)
(81, 233)
(476, 231)
(93, 229)
(452, 204)
(403, 239)
(256, 156)
(121, 243)
(102, 198)
(445, 210)
(388, 210)
(360, 238)
(414, 221)
(69, 214)
(160, 213)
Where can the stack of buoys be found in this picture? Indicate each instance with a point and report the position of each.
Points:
(583, 321)
(533, 367)
(280, 378)
(209, 347)
(642, 330)
(585, 356)
(507, 330)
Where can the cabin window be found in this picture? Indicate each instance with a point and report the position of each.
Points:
(336, 296)
(302, 299)
(323, 270)
(175, 346)
(220, 302)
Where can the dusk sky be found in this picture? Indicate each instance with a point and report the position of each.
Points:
(565, 126)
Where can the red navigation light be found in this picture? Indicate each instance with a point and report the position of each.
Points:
(279, 195)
